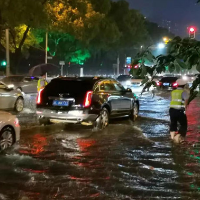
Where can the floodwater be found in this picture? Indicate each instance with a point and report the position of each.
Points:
(127, 161)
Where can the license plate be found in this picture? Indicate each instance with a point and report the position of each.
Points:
(57, 121)
(60, 103)
(166, 84)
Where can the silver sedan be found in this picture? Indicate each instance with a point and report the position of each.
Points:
(26, 84)
(9, 130)
(11, 98)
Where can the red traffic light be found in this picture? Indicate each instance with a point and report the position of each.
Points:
(192, 29)
(136, 66)
(192, 32)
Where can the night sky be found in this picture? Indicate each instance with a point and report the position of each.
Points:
(183, 12)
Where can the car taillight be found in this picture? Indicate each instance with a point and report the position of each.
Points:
(175, 84)
(158, 83)
(38, 100)
(88, 99)
(16, 122)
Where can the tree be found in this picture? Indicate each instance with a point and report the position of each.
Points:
(75, 17)
(156, 33)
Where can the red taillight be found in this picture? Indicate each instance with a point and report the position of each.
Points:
(175, 84)
(16, 122)
(38, 100)
(88, 99)
(158, 83)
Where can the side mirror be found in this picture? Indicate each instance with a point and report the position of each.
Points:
(128, 90)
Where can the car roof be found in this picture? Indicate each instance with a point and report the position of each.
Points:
(87, 79)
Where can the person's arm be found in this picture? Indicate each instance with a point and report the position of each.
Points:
(185, 97)
(186, 104)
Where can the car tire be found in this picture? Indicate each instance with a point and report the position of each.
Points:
(44, 122)
(134, 112)
(7, 138)
(102, 121)
(19, 104)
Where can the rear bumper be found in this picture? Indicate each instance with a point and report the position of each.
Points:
(72, 117)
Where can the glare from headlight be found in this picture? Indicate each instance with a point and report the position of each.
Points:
(128, 82)
(185, 78)
(10, 86)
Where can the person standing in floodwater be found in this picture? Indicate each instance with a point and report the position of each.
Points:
(178, 105)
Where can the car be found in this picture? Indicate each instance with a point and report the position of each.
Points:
(10, 98)
(125, 80)
(86, 101)
(167, 83)
(9, 130)
(26, 84)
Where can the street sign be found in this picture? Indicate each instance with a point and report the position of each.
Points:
(128, 60)
(49, 57)
(62, 62)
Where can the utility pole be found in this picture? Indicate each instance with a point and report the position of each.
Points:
(7, 53)
(118, 65)
(46, 48)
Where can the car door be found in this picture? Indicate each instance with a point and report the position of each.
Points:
(29, 85)
(110, 95)
(126, 97)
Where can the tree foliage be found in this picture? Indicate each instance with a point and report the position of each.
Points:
(183, 54)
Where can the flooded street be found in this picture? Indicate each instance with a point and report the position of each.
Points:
(126, 161)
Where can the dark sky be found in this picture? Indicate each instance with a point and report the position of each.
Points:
(183, 12)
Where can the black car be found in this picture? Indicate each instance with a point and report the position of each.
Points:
(167, 83)
(86, 101)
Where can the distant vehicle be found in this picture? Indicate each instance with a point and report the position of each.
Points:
(167, 83)
(9, 130)
(26, 84)
(11, 98)
(86, 101)
(125, 80)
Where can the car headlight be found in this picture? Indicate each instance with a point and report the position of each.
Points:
(10, 86)
(128, 82)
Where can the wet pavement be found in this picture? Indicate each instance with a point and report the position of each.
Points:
(126, 161)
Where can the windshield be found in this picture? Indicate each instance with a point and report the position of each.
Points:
(58, 86)
(123, 77)
(169, 79)
(13, 79)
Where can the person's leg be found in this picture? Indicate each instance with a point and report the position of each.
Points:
(183, 124)
(173, 122)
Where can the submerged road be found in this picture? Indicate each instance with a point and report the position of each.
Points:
(126, 161)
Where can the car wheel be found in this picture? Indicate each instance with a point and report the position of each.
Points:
(44, 122)
(19, 104)
(102, 121)
(134, 112)
(6, 138)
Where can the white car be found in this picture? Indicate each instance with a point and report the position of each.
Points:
(9, 130)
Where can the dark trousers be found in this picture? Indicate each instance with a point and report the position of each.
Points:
(178, 116)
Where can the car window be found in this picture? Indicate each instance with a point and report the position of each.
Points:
(13, 79)
(118, 86)
(123, 77)
(168, 79)
(27, 79)
(107, 86)
(138, 77)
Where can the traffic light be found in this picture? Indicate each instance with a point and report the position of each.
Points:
(3, 63)
(192, 33)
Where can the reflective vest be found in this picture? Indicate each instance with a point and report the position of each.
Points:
(177, 102)
(39, 86)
